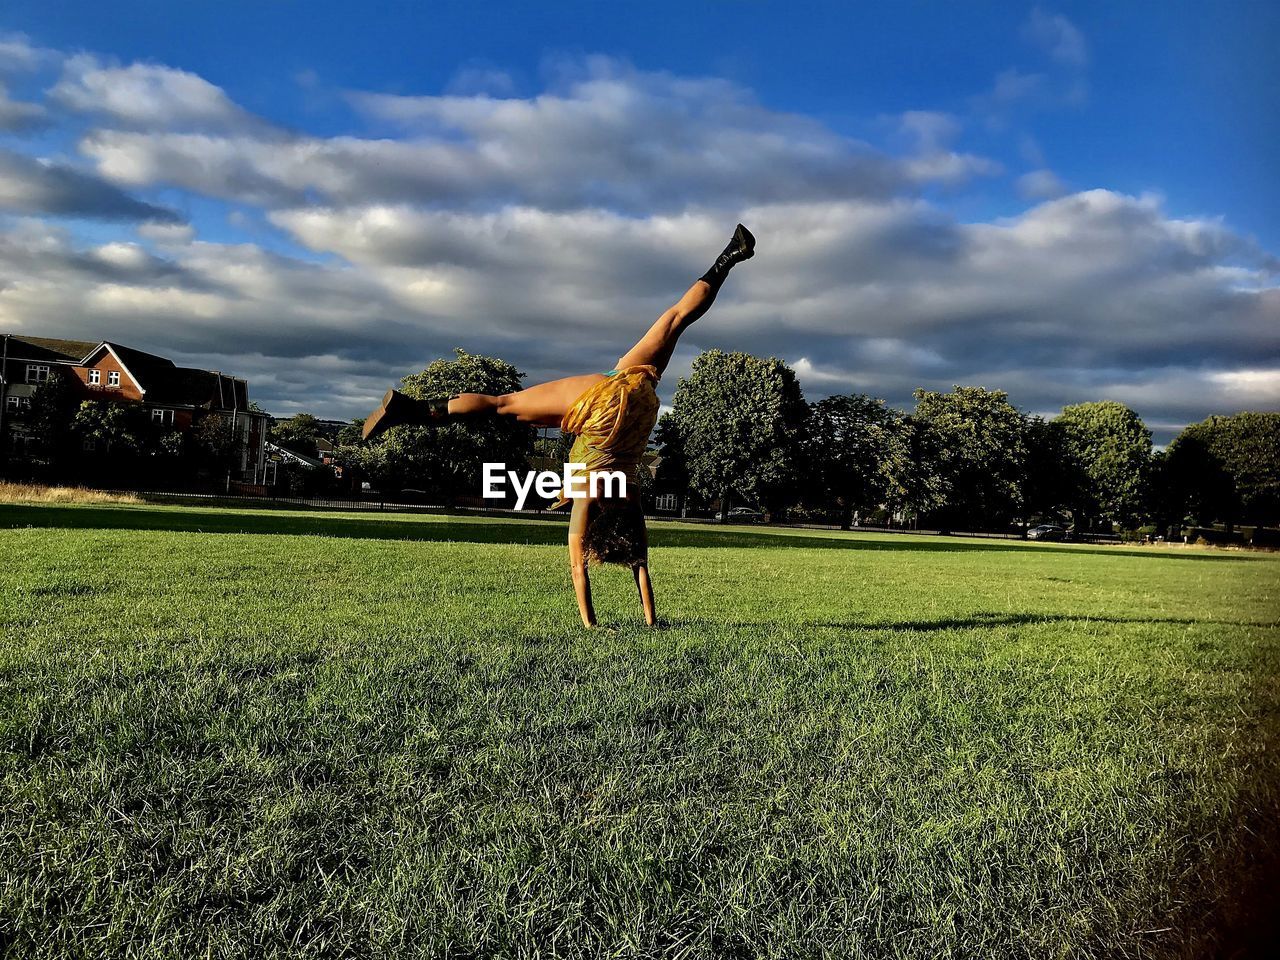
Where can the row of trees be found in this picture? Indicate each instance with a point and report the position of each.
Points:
(967, 458)
(741, 432)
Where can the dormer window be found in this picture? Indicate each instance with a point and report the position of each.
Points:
(113, 378)
(37, 373)
(95, 377)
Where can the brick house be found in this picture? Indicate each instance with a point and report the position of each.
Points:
(113, 373)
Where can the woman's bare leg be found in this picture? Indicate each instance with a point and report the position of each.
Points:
(547, 403)
(657, 345)
(543, 403)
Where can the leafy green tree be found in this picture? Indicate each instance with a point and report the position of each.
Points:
(54, 448)
(447, 458)
(298, 433)
(849, 442)
(349, 434)
(740, 418)
(122, 445)
(1108, 450)
(914, 483)
(212, 447)
(1227, 469)
(1164, 504)
(977, 438)
(1047, 487)
(116, 429)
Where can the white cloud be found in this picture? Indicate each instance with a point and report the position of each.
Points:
(931, 159)
(949, 168)
(19, 55)
(167, 232)
(129, 256)
(1013, 85)
(1253, 389)
(482, 78)
(615, 138)
(28, 185)
(1072, 300)
(18, 115)
(931, 129)
(147, 96)
(1012, 89)
(1041, 184)
(1058, 37)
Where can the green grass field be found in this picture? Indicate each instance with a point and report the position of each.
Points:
(237, 733)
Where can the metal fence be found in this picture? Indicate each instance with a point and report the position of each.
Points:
(383, 505)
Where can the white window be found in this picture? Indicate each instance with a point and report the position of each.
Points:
(90, 444)
(113, 378)
(37, 373)
(15, 403)
(95, 377)
(664, 501)
(162, 416)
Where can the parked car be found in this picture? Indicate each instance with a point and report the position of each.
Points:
(1047, 531)
(743, 515)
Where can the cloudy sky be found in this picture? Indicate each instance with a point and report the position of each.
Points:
(1067, 202)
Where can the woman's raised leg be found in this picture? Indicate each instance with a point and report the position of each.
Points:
(659, 342)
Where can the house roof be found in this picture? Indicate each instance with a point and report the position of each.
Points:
(162, 381)
(293, 455)
(199, 388)
(50, 348)
(146, 368)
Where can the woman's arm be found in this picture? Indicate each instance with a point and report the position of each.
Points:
(643, 583)
(578, 563)
(645, 586)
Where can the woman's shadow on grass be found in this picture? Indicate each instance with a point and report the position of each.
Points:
(973, 621)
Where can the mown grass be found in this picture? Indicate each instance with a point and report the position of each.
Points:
(240, 733)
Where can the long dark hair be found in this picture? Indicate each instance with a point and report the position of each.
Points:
(616, 533)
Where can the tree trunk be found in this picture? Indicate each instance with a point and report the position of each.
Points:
(724, 506)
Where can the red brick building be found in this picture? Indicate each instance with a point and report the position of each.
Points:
(113, 373)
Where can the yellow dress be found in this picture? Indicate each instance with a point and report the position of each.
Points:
(613, 419)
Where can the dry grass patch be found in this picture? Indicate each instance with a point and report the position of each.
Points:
(38, 493)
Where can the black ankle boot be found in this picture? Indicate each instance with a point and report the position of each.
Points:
(398, 409)
(741, 247)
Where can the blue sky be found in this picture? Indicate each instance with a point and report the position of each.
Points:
(306, 196)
